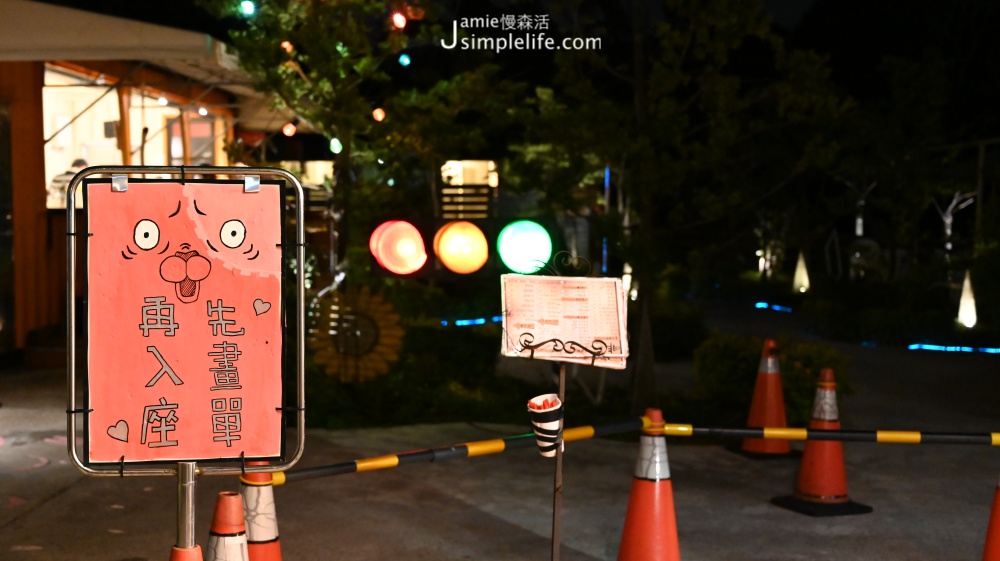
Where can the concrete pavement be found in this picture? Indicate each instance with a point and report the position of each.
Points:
(930, 501)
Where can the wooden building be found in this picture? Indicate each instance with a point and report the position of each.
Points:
(112, 91)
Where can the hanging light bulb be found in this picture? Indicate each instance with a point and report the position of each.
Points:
(404, 59)
(162, 101)
(289, 129)
(398, 20)
(378, 114)
(336, 146)
(287, 45)
(202, 111)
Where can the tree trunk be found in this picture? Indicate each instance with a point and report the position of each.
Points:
(644, 369)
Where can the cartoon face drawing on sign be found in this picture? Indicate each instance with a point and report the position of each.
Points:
(186, 268)
(169, 240)
(184, 315)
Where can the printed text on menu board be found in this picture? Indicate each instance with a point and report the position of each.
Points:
(184, 322)
(566, 319)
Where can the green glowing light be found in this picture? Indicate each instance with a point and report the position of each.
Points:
(524, 246)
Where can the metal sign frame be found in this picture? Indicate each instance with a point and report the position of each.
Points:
(252, 178)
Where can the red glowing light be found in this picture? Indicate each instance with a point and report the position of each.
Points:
(398, 247)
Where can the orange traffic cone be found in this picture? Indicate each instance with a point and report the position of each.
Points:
(767, 409)
(650, 532)
(821, 489)
(992, 550)
(261, 519)
(186, 553)
(227, 538)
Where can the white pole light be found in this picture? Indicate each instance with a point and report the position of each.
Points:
(967, 305)
(800, 282)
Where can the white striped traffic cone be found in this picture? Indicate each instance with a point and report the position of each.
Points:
(227, 539)
(821, 486)
(261, 519)
(650, 532)
(767, 408)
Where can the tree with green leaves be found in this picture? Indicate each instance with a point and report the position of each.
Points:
(697, 106)
(701, 112)
(332, 63)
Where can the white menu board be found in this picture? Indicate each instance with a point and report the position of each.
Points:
(566, 319)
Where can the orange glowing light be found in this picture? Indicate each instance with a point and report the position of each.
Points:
(461, 246)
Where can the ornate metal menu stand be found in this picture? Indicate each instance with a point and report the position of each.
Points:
(569, 347)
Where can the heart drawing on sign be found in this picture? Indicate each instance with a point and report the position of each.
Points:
(119, 431)
(261, 306)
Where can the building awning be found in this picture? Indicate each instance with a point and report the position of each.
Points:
(37, 31)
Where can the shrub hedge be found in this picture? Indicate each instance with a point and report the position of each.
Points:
(726, 368)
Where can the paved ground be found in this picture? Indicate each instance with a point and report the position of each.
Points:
(931, 502)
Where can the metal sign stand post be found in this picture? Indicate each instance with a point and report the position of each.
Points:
(557, 486)
(186, 473)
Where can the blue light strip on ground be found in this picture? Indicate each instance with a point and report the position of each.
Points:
(953, 348)
(474, 321)
(914, 347)
(775, 307)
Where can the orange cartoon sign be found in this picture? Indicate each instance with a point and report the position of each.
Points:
(184, 321)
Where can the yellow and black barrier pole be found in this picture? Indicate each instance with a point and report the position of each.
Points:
(878, 436)
(526, 440)
(465, 450)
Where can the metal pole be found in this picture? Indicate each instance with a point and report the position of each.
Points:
(977, 241)
(558, 483)
(185, 504)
